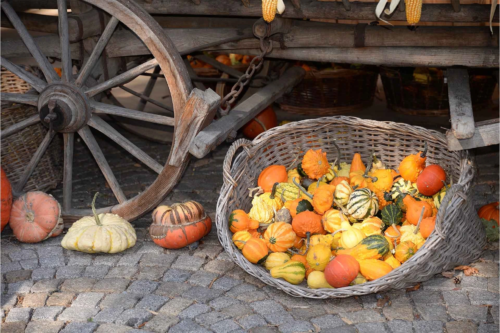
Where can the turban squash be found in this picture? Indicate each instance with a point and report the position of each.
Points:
(179, 225)
(6, 199)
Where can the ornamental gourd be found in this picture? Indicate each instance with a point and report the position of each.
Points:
(240, 221)
(6, 190)
(357, 164)
(318, 256)
(261, 211)
(370, 226)
(382, 180)
(373, 269)
(410, 233)
(372, 247)
(341, 271)
(287, 192)
(332, 220)
(404, 251)
(342, 169)
(279, 236)
(239, 238)
(323, 199)
(271, 175)
(360, 279)
(401, 187)
(393, 262)
(438, 197)
(489, 212)
(255, 250)
(276, 259)
(307, 223)
(273, 200)
(377, 164)
(321, 239)
(36, 216)
(101, 233)
(283, 215)
(363, 203)
(350, 236)
(292, 271)
(315, 164)
(317, 280)
(342, 192)
(431, 180)
(393, 232)
(414, 209)
(427, 226)
(298, 206)
(179, 225)
(261, 123)
(293, 173)
(411, 166)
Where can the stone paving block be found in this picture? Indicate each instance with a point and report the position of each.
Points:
(252, 296)
(11, 266)
(79, 328)
(263, 329)
(9, 247)
(224, 256)
(222, 302)
(456, 297)
(495, 314)
(79, 285)
(307, 313)
(188, 325)
(21, 287)
(142, 287)
(431, 312)
(327, 321)
(334, 306)
(493, 285)
(218, 266)
(237, 273)
(29, 264)
(252, 321)
(210, 318)
(371, 328)
(202, 278)
(422, 326)
(175, 306)
(134, 317)
(19, 314)
(60, 299)
(194, 310)
(225, 283)
(369, 301)
(108, 315)
(113, 328)
(52, 261)
(482, 297)
(488, 328)
(363, 316)
(225, 326)
(266, 307)
(44, 327)
(237, 310)
(122, 272)
(79, 314)
(400, 326)
(70, 272)
(43, 273)
(152, 302)
(14, 327)
(439, 284)
(88, 300)
(161, 324)
(47, 313)
(23, 255)
(395, 312)
(34, 300)
(426, 297)
(45, 286)
(111, 285)
(486, 269)
(85, 260)
(210, 251)
(473, 282)
(49, 251)
(172, 289)
(176, 275)
(468, 312)
(150, 248)
(123, 301)
(16, 276)
(151, 273)
(201, 294)
(461, 327)
(106, 259)
(157, 260)
(96, 272)
(296, 326)
(278, 318)
(129, 259)
(189, 263)
(8, 301)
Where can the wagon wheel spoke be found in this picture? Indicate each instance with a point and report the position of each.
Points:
(148, 99)
(20, 126)
(31, 79)
(64, 41)
(43, 63)
(34, 161)
(110, 132)
(149, 89)
(20, 98)
(122, 78)
(69, 139)
(96, 151)
(96, 53)
(102, 108)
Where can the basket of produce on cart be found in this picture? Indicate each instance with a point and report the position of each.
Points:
(335, 90)
(424, 91)
(341, 206)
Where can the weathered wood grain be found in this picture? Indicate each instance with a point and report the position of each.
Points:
(486, 133)
(462, 117)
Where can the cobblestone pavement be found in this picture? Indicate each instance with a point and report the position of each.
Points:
(198, 289)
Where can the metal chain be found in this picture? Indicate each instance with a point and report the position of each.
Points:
(255, 65)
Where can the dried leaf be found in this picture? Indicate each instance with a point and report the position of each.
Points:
(347, 321)
(448, 275)
(381, 302)
(415, 287)
(468, 271)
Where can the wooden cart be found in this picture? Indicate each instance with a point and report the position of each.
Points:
(114, 41)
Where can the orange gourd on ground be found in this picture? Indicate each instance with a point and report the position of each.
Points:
(427, 226)
(357, 164)
(341, 271)
(307, 223)
(179, 225)
(411, 166)
(414, 209)
(489, 212)
(240, 221)
(261, 123)
(36, 216)
(315, 164)
(431, 180)
(6, 190)
(271, 175)
(255, 250)
(279, 236)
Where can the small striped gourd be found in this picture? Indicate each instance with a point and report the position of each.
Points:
(402, 186)
(287, 192)
(292, 271)
(332, 219)
(363, 203)
(438, 197)
(372, 247)
(342, 193)
(276, 259)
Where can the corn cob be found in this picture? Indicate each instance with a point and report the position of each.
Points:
(269, 9)
(413, 11)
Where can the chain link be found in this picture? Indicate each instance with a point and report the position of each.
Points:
(254, 66)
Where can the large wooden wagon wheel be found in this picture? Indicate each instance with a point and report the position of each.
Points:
(67, 105)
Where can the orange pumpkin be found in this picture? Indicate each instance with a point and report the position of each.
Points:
(224, 59)
(405, 250)
(261, 123)
(357, 164)
(271, 175)
(247, 59)
(255, 250)
(427, 226)
(239, 221)
(337, 180)
(298, 206)
(414, 209)
(315, 164)
(393, 234)
(36, 216)
(279, 236)
(411, 166)
(323, 198)
(179, 225)
(488, 212)
(307, 223)
(254, 232)
(431, 180)
(341, 271)
(298, 242)
(6, 199)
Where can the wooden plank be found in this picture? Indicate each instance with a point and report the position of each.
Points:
(486, 133)
(192, 75)
(218, 131)
(462, 117)
(456, 5)
(69, 140)
(102, 108)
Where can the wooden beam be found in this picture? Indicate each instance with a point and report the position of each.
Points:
(486, 133)
(218, 131)
(462, 117)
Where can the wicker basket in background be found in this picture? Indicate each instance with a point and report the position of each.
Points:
(458, 237)
(332, 92)
(18, 149)
(429, 97)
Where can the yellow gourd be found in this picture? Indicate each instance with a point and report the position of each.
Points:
(276, 259)
(318, 256)
(336, 240)
(350, 236)
(293, 173)
(261, 211)
(292, 271)
(360, 279)
(332, 220)
(393, 262)
(321, 239)
(287, 192)
(342, 170)
(408, 234)
(240, 238)
(316, 280)
(373, 269)
(272, 199)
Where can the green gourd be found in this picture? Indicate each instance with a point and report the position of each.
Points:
(293, 272)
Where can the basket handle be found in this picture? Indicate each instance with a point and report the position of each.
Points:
(456, 190)
(228, 160)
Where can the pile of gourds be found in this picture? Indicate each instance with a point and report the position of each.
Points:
(339, 224)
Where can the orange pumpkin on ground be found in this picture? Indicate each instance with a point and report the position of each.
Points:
(179, 225)
(261, 123)
(488, 212)
(427, 226)
(36, 216)
(431, 180)
(341, 271)
(6, 199)
(239, 221)
(271, 175)
(307, 222)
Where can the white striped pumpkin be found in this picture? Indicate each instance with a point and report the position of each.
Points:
(342, 192)
(363, 203)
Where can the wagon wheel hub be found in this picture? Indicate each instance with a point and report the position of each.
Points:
(65, 107)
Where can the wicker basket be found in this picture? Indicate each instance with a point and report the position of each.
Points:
(406, 95)
(19, 148)
(458, 237)
(332, 92)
